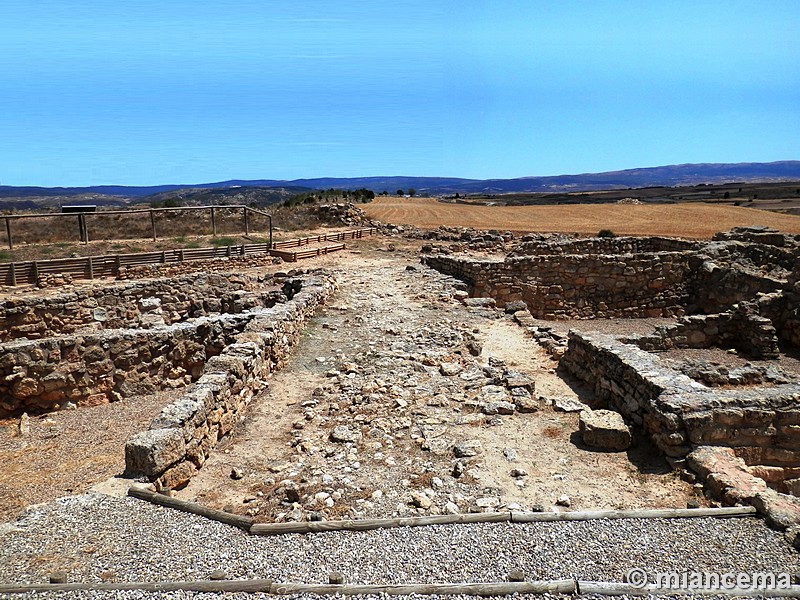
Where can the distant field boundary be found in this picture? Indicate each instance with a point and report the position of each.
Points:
(91, 267)
(686, 220)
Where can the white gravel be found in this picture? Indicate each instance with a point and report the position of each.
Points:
(101, 538)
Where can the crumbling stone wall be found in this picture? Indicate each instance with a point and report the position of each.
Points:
(644, 277)
(614, 245)
(181, 437)
(98, 367)
(761, 425)
(718, 286)
(578, 286)
(740, 328)
(131, 304)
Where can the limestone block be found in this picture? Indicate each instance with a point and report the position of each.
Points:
(604, 429)
(151, 452)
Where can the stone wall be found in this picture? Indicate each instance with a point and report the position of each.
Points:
(131, 304)
(181, 437)
(646, 277)
(86, 370)
(98, 367)
(579, 286)
(761, 425)
(741, 328)
(615, 245)
(718, 286)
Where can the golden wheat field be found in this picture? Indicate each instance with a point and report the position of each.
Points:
(677, 220)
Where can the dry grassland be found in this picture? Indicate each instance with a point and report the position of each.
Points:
(676, 220)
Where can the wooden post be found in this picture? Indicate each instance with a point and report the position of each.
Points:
(8, 234)
(35, 272)
(85, 229)
(180, 255)
(228, 252)
(246, 222)
(91, 267)
(153, 223)
(213, 223)
(163, 256)
(118, 264)
(13, 270)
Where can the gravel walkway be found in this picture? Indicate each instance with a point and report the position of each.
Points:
(98, 538)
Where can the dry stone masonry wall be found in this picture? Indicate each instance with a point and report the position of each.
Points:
(744, 443)
(146, 354)
(634, 277)
(578, 286)
(182, 435)
(741, 290)
(130, 304)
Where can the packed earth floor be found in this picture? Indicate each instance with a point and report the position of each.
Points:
(385, 392)
(400, 400)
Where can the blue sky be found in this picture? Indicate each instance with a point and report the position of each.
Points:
(149, 92)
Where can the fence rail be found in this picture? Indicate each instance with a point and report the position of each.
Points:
(82, 218)
(90, 267)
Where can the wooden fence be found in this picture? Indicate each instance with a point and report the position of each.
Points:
(83, 218)
(90, 267)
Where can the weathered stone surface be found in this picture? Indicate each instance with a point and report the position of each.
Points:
(604, 429)
(344, 434)
(467, 448)
(725, 475)
(450, 368)
(565, 404)
(150, 453)
(781, 510)
(515, 379)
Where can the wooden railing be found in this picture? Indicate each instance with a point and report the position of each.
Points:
(83, 218)
(90, 267)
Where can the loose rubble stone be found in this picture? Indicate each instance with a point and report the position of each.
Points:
(604, 429)
(344, 434)
(468, 448)
(449, 369)
(564, 404)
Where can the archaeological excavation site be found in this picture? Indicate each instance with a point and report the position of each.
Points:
(417, 377)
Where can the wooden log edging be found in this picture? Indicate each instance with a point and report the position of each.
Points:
(503, 588)
(251, 586)
(266, 586)
(254, 528)
(370, 524)
(143, 493)
(613, 588)
(657, 513)
(497, 517)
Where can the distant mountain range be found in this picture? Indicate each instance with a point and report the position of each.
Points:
(672, 175)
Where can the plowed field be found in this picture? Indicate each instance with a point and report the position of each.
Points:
(679, 220)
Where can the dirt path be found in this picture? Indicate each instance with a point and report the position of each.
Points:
(66, 452)
(387, 384)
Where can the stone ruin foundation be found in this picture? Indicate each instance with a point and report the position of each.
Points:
(737, 429)
(218, 336)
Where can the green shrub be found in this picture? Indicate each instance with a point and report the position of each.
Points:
(223, 241)
(606, 233)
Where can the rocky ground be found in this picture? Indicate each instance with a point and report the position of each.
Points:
(401, 400)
